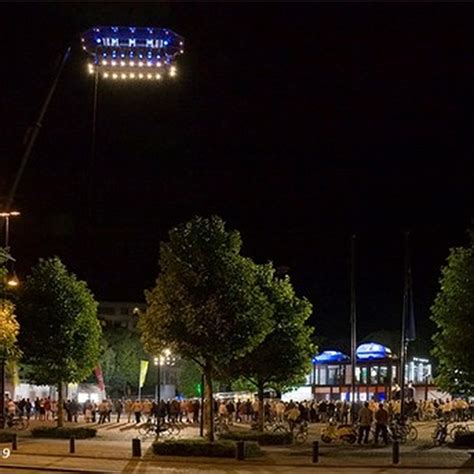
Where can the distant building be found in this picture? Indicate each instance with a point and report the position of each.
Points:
(376, 373)
(120, 314)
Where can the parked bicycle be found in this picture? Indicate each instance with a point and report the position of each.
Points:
(402, 432)
(458, 429)
(151, 429)
(300, 432)
(221, 425)
(17, 423)
(334, 432)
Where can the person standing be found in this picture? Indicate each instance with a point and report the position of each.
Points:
(381, 423)
(137, 410)
(103, 409)
(129, 410)
(28, 407)
(118, 409)
(365, 422)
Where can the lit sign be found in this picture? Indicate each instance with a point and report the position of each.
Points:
(120, 52)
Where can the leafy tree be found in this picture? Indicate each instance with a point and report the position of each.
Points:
(453, 313)
(59, 329)
(9, 327)
(206, 305)
(283, 358)
(189, 378)
(120, 358)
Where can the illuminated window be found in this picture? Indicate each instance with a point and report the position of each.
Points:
(374, 374)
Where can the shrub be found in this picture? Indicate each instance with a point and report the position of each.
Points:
(464, 439)
(263, 439)
(65, 432)
(199, 447)
(6, 436)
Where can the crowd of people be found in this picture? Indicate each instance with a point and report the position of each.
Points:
(239, 411)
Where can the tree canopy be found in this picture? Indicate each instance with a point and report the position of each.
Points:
(59, 328)
(283, 358)
(9, 327)
(120, 358)
(453, 314)
(207, 303)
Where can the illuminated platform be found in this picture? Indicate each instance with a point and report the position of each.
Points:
(120, 53)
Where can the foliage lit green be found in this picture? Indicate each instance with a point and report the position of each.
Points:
(207, 304)
(9, 327)
(283, 358)
(453, 314)
(120, 358)
(59, 329)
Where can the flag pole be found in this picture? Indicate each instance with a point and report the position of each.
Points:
(353, 323)
(404, 342)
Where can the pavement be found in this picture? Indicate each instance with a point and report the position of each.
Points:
(111, 452)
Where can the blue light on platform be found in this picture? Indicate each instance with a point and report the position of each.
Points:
(373, 350)
(327, 357)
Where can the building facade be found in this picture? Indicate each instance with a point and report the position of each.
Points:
(120, 314)
(377, 375)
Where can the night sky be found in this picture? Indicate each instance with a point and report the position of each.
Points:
(297, 124)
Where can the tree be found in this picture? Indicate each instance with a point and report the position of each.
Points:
(206, 305)
(120, 358)
(283, 358)
(453, 313)
(189, 384)
(9, 327)
(59, 329)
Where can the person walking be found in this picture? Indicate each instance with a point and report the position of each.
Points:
(365, 422)
(381, 423)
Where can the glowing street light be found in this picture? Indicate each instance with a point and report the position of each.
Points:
(165, 358)
(12, 278)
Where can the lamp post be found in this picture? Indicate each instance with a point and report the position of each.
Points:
(12, 279)
(165, 358)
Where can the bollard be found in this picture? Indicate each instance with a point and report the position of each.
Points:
(136, 448)
(396, 452)
(240, 450)
(315, 452)
(14, 442)
(72, 444)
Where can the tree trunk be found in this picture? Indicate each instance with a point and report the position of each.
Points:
(209, 403)
(60, 405)
(261, 407)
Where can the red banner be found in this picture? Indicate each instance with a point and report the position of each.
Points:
(100, 378)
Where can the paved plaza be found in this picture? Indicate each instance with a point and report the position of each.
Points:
(111, 452)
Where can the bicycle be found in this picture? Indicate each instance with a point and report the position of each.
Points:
(151, 429)
(402, 431)
(18, 423)
(459, 428)
(302, 434)
(221, 426)
(334, 432)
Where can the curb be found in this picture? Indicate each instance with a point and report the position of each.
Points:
(228, 462)
(25, 467)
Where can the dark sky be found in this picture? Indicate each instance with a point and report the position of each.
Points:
(298, 124)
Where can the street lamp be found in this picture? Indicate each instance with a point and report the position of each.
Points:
(165, 358)
(12, 279)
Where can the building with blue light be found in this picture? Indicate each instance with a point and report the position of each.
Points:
(377, 374)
